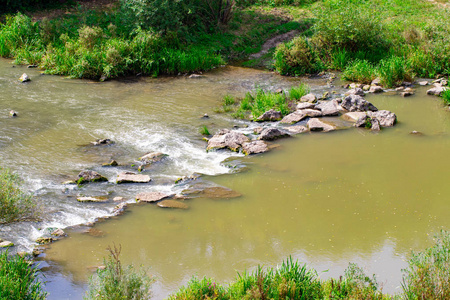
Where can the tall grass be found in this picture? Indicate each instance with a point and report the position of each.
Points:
(261, 101)
(297, 92)
(393, 71)
(116, 283)
(446, 96)
(359, 71)
(15, 204)
(19, 280)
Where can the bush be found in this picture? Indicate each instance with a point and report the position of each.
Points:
(15, 204)
(360, 71)
(393, 71)
(116, 283)
(18, 280)
(446, 96)
(261, 101)
(428, 274)
(296, 58)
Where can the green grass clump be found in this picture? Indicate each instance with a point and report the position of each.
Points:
(393, 71)
(15, 204)
(360, 71)
(116, 283)
(204, 130)
(446, 96)
(261, 101)
(204, 288)
(297, 92)
(19, 280)
(428, 274)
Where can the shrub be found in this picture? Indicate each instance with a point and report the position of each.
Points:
(359, 71)
(19, 280)
(296, 58)
(295, 93)
(428, 274)
(116, 283)
(393, 71)
(15, 204)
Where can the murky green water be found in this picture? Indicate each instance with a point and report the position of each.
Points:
(324, 198)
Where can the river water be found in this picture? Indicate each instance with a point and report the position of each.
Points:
(327, 199)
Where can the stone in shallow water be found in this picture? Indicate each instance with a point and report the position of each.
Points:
(90, 176)
(99, 199)
(315, 124)
(328, 108)
(305, 105)
(24, 78)
(130, 177)
(270, 115)
(270, 134)
(44, 240)
(151, 196)
(296, 129)
(152, 157)
(172, 204)
(294, 117)
(254, 147)
(6, 244)
(386, 118)
(212, 192)
(232, 140)
(309, 98)
(353, 116)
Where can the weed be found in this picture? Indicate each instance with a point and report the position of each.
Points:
(204, 130)
(393, 71)
(446, 96)
(359, 71)
(295, 93)
(197, 289)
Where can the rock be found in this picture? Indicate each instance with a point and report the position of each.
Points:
(294, 117)
(357, 103)
(195, 76)
(296, 129)
(187, 178)
(44, 240)
(356, 85)
(386, 118)
(315, 124)
(444, 82)
(232, 140)
(99, 199)
(363, 121)
(409, 90)
(423, 83)
(94, 232)
(152, 157)
(278, 91)
(120, 208)
(375, 125)
(346, 86)
(217, 192)
(353, 116)
(130, 177)
(172, 204)
(415, 132)
(406, 83)
(31, 66)
(254, 147)
(24, 78)
(102, 142)
(258, 130)
(270, 134)
(355, 91)
(270, 115)
(117, 199)
(305, 105)
(376, 81)
(325, 96)
(70, 182)
(151, 196)
(328, 108)
(112, 163)
(90, 176)
(406, 94)
(6, 244)
(376, 89)
(58, 232)
(205, 116)
(436, 91)
(309, 98)
(13, 113)
(366, 87)
(399, 89)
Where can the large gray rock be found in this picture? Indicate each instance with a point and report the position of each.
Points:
(296, 129)
(309, 98)
(152, 157)
(270, 115)
(102, 142)
(315, 124)
(386, 118)
(270, 134)
(354, 116)
(357, 103)
(232, 140)
(130, 177)
(151, 196)
(120, 208)
(356, 91)
(90, 176)
(436, 91)
(254, 147)
(305, 105)
(376, 89)
(294, 117)
(328, 108)
(24, 78)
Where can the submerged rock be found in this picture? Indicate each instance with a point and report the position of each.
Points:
(270, 134)
(406, 93)
(90, 176)
(172, 204)
(152, 157)
(102, 142)
(120, 208)
(151, 196)
(254, 147)
(218, 192)
(315, 124)
(44, 240)
(24, 78)
(112, 163)
(58, 233)
(130, 177)
(357, 103)
(270, 115)
(13, 113)
(232, 140)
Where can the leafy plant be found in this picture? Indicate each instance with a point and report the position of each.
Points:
(19, 280)
(446, 96)
(296, 92)
(360, 71)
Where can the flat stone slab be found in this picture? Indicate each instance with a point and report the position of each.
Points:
(6, 244)
(315, 124)
(172, 204)
(254, 147)
(151, 196)
(296, 129)
(305, 105)
(129, 177)
(353, 116)
(152, 157)
(99, 199)
(270, 134)
(328, 108)
(311, 98)
(90, 176)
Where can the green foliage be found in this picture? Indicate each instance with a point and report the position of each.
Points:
(204, 130)
(428, 274)
(359, 71)
(117, 283)
(393, 71)
(446, 96)
(295, 93)
(197, 289)
(296, 58)
(19, 280)
(261, 101)
(15, 204)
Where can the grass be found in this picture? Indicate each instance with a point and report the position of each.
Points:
(19, 280)
(446, 96)
(116, 283)
(204, 130)
(15, 204)
(359, 71)
(297, 92)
